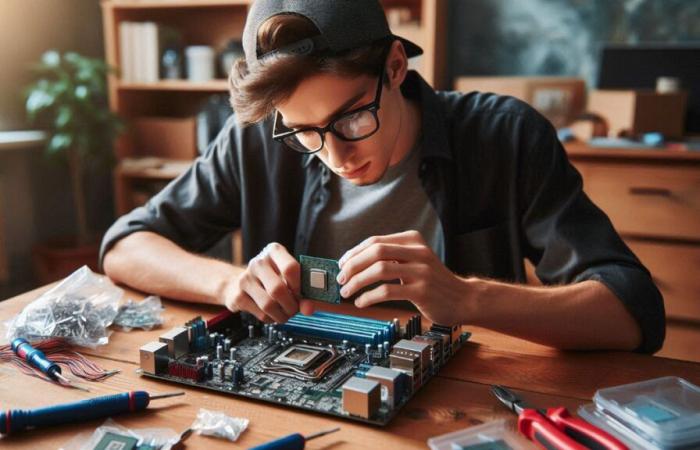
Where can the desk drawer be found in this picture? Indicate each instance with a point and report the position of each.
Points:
(654, 201)
(676, 271)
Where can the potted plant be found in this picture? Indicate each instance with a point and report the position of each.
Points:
(68, 98)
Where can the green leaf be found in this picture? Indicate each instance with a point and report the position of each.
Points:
(81, 92)
(64, 116)
(60, 141)
(38, 100)
(51, 58)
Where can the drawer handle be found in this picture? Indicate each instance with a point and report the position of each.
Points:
(660, 192)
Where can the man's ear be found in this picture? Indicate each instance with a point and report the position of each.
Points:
(396, 65)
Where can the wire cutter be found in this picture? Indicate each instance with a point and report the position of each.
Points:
(556, 428)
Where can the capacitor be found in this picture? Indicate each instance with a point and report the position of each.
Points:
(212, 339)
(251, 331)
(345, 343)
(228, 372)
(271, 333)
(380, 348)
(237, 375)
(219, 352)
(368, 349)
(227, 344)
(232, 353)
(205, 359)
(386, 348)
(397, 328)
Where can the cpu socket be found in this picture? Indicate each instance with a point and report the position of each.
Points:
(299, 356)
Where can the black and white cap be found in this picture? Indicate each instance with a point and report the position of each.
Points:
(343, 25)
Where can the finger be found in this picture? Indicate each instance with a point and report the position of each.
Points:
(383, 293)
(306, 306)
(378, 272)
(405, 237)
(287, 266)
(244, 303)
(381, 252)
(275, 286)
(270, 307)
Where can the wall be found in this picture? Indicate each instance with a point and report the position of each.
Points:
(36, 201)
(558, 37)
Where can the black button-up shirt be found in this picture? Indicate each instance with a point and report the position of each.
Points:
(492, 167)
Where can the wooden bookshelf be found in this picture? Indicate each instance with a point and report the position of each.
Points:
(176, 85)
(214, 23)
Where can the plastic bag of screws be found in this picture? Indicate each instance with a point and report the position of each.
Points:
(217, 423)
(79, 309)
(145, 314)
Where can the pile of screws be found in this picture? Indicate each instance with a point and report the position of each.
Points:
(145, 314)
(74, 318)
(78, 310)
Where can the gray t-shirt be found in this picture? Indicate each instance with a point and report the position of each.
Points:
(397, 202)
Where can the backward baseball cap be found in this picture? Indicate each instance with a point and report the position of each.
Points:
(343, 25)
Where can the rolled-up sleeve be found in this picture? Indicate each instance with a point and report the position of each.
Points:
(197, 208)
(569, 239)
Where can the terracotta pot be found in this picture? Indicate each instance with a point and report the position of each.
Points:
(59, 257)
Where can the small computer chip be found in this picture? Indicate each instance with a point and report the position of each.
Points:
(318, 279)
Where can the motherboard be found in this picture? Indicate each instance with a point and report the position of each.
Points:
(352, 367)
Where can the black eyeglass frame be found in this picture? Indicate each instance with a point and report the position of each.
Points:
(372, 107)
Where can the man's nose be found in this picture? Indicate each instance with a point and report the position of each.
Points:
(338, 150)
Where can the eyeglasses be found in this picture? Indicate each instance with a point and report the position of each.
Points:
(354, 125)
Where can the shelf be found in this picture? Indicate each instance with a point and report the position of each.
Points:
(580, 150)
(152, 168)
(177, 85)
(142, 4)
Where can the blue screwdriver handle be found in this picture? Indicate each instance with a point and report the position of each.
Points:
(12, 421)
(293, 441)
(35, 357)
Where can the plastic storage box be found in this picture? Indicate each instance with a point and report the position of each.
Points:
(497, 435)
(660, 413)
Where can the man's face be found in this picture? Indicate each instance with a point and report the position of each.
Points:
(319, 99)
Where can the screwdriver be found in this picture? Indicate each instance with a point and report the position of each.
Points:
(38, 359)
(294, 441)
(12, 421)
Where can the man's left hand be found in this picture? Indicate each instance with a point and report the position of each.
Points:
(439, 295)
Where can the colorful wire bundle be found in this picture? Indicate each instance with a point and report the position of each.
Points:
(59, 351)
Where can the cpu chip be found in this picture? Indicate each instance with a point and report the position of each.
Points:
(317, 279)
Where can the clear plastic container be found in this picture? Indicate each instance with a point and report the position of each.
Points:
(664, 411)
(496, 435)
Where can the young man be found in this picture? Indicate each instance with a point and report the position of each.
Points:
(338, 150)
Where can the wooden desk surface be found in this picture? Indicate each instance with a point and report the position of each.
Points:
(457, 398)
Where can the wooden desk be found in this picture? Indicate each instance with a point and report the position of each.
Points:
(457, 398)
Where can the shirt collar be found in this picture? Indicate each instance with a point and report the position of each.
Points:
(433, 140)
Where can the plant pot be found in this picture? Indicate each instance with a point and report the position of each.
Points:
(59, 257)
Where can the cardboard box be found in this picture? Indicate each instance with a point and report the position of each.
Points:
(560, 99)
(165, 137)
(630, 112)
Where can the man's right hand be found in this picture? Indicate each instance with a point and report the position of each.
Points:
(269, 288)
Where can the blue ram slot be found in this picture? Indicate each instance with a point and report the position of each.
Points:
(331, 334)
(342, 325)
(353, 319)
(348, 333)
(384, 332)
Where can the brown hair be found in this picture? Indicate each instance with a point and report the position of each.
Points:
(254, 93)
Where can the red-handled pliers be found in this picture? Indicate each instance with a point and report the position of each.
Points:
(556, 428)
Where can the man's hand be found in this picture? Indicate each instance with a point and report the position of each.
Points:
(439, 295)
(269, 288)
